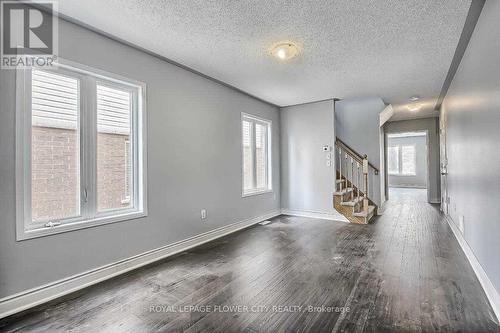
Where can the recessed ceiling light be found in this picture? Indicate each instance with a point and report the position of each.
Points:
(285, 51)
(414, 98)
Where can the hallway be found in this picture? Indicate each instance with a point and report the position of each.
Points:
(403, 273)
(407, 195)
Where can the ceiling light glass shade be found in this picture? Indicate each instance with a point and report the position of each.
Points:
(285, 51)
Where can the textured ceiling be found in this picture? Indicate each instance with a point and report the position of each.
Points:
(393, 49)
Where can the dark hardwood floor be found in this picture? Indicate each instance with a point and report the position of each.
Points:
(403, 273)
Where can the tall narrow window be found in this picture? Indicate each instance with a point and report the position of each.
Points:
(256, 140)
(408, 160)
(80, 152)
(247, 155)
(393, 160)
(55, 147)
(261, 155)
(113, 133)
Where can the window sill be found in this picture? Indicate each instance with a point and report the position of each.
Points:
(77, 225)
(252, 193)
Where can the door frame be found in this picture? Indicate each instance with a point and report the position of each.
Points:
(386, 146)
(443, 162)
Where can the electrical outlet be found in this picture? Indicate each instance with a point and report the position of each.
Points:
(203, 214)
(328, 163)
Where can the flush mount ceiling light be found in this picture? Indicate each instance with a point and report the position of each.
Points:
(414, 107)
(414, 98)
(285, 51)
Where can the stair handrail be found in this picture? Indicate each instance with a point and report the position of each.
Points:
(357, 156)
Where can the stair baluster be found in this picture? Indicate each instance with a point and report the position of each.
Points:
(365, 183)
(357, 182)
(352, 178)
(352, 197)
(340, 168)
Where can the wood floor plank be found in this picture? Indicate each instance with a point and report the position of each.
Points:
(405, 272)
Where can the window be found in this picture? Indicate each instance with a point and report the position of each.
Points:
(80, 149)
(114, 109)
(408, 160)
(256, 155)
(393, 160)
(402, 160)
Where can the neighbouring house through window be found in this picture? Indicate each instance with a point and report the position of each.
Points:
(256, 155)
(82, 161)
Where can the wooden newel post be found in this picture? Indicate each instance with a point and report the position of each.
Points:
(365, 183)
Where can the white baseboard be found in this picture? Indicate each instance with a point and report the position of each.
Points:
(336, 216)
(32, 297)
(488, 287)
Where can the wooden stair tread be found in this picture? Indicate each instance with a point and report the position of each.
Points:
(344, 191)
(352, 202)
(365, 214)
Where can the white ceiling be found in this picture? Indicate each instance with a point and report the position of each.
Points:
(393, 48)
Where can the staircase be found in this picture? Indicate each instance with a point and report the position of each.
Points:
(351, 197)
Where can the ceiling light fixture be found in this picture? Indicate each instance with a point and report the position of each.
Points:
(285, 51)
(414, 98)
(414, 107)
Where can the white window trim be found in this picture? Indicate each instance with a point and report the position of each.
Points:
(23, 156)
(269, 124)
(400, 161)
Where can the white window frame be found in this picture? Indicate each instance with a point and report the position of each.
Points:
(89, 216)
(268, 123)
(414, 160)
(127, 187)
(400, 160)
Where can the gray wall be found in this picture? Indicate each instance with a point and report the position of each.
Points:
(419, 180)
(471, 113)
(194, 161)
(307, 182)
(431, 125)
(357, 124)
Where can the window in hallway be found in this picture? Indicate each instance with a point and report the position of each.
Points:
(407, 159)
